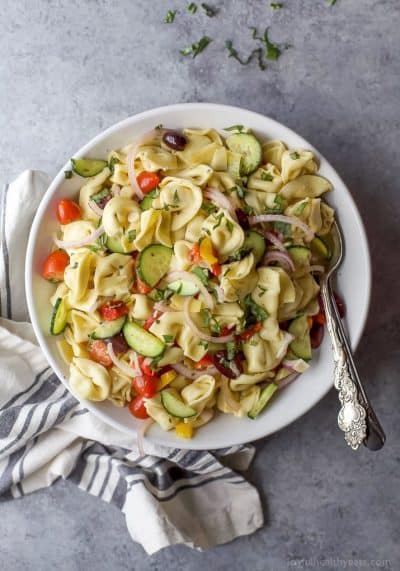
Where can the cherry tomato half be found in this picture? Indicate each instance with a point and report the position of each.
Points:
(250, 332)
(98, 352)
(54, 266)
(137, 408)
(145, 385)
(216, 269)
(113, 310)
(205, 362)
(68, 211)
(148, 181)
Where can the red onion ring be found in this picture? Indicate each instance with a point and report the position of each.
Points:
(221, 200)
(287, 380)
(283, 349)
(193, 374)
(278, 256)
(123, 367)
(78, 243)
(274, 240)
(281, 218)
(95, 208)
(193, 327)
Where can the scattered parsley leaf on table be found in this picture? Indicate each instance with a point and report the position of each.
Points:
(331, 2)
(192, 8)
(170, 17)
(277, 5)
(209, 10)
(234, 53)
(196, 48)
(272, 51)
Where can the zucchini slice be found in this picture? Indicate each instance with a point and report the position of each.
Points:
(88, 167)
(175, 407)
(319, 248)
(153, 263)
(263, 399)
(142, 341)
(255, 242)
(59, 317)
(300, 255)
(114, 244)
(109, 328)
(301, 345)
(249, 147)
(183, 287)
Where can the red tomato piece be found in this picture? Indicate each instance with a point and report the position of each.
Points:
(141, 287)
(250, 332)
(68, 211)
(98, 352)
(204, 362)
(145, 367)
(145, 385)
(54, 266)
(194, 254)
(148, 181)
(216, 269)
(137, 408)
(113, 310)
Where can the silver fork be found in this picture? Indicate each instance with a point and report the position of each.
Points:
(356, 416)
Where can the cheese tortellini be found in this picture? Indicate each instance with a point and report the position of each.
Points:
(191, 274)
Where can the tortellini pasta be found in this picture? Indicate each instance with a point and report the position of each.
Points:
(208, 319)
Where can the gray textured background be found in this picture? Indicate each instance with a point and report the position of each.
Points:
(70, 68)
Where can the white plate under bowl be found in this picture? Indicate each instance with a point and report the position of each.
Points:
(354, 280)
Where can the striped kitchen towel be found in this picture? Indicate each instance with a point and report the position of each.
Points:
(168, 496)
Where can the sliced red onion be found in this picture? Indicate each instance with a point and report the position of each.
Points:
(193, 327)
(277, 256)
(274, 240)
(221, 200)
(143, 428)
(121, 365)
(293, 365)
(282, 218)
(220, 294)
(95, 208)
(284, 347)
(192, 374)
(83, 242)
(180, 274)
(287, 380)
(318, 269)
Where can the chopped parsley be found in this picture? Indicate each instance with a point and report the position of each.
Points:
(294, 156)
(278, 206)
(239, 255)
(196, 48)
(192, 8)
(170, 17)
(68, 174)
(277, 5)
(218, 219)
(331, 2)
(201, 273)
(131, 235)
(300, 208)
(240, 191)
(266, 176)
(210, 321)
(235, 55)
(284, 228)
(229, 225)
(209, 10)
(262, 290)
(236, 128)
(113, 161)
(254, 312)
(175, 199)
(208, 207)
(154, 193)
(272, 51)
(168, 338)
(203, 343)
(230, 350)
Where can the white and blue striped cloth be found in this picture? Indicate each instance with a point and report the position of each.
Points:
(168, 496)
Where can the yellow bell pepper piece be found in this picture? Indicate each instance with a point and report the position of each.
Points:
(184, 430)
(207, 252)
(165, 379)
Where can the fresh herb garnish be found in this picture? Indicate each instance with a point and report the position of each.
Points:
(203, 343)
(248, 210)
(278, 206)
(131, 235)
(218, 219)
(331, 2)
(254, 312)
(168, 338)
(284, 228)
(240, 191)
(210, 321)
(294, 156)
(154, 193)
(239, 255)
(170, 17)
(68, 174)
(230, 350)
(229, 225)
(209, 10)
(262, 289)
(277, 5)
(201, 273)
(113, 161)
(272, 51)
(266, 176)
(208, 207)
(196, 48)
(175, 198)
(300, 208)
(236, 128)
(234, 53)
(192, 8)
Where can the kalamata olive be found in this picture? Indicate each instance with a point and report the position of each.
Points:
(242, 219)
(174, 140)
(231, 369)
(316, 334)
(103, 201)
(118, 343)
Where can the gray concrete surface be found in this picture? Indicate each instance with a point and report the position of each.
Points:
(70, 68)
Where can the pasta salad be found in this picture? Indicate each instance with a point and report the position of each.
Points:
(188, 274)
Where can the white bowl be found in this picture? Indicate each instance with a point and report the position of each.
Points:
(354, 280)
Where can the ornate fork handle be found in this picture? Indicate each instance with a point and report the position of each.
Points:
(352, 414)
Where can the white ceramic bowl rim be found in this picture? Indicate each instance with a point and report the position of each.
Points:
(258, 429)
